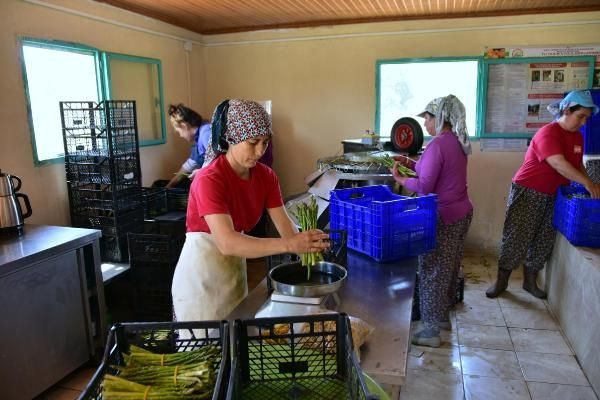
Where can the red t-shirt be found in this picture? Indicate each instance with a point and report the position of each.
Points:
(217, 189)
(535, 173)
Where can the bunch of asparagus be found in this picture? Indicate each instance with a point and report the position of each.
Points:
(139, 356)
(149, 376)
(388, 162)
(306, 215)
(114, 387)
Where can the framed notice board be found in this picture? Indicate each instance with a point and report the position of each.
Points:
(516, 92)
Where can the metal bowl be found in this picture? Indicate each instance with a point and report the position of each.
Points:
(290, 279)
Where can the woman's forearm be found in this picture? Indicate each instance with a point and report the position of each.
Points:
(232, 243)
(241, 245)
(566, 169)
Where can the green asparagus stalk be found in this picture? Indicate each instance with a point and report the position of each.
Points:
(114, 387)
(199, 377)
(140, 356)
(388, 162)
(306, 215)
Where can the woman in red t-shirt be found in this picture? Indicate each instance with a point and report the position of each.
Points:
(227, 198)
(553, 158)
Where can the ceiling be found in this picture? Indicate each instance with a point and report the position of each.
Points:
(223, 16)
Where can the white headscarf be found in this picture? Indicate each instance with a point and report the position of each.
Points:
(451, 109)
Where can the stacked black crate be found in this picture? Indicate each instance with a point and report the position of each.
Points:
(103, 171)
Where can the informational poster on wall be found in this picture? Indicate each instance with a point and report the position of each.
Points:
(518, 92)
(549, 51)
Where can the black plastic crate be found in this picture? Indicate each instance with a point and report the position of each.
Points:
(108, 222)
(152, 302)
(337, 253)
(114, 248)
(117, 170)
(163, 337)
(177, 199)
(107, 128)
(154, 201)
(84, 198)
(152, 260)
(459, 296)
(151, 249)
(307, 357)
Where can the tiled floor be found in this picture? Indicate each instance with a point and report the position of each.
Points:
(505, 348)
(69, 388)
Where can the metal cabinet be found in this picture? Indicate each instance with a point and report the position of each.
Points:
(51, 305)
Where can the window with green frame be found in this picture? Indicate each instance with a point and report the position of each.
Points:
(405, 86)
(56, 71)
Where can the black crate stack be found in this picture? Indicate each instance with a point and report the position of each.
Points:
(102, 163)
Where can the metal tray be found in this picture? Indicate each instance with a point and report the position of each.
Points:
(290, 279)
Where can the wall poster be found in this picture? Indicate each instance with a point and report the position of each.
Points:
(517, 91)
(550, 51)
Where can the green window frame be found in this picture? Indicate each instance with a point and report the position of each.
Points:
(474, 133)
(103, 83)
(58, 46)
(107, 57)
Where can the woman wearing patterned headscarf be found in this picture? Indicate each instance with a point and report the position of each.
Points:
(227, 198)
(553, 158)
(442, 169)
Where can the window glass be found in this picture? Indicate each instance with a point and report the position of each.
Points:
(55, 74)
(405, 88)
(137, 78)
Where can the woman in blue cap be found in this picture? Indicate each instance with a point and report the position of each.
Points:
(553, 158)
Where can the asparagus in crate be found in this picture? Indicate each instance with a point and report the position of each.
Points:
(306, 215)
(388, 162)
(147, 375)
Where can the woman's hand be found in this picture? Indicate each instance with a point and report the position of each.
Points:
(311, 241)
(397, 177)
(405, 161)
(594, 189)
(193, 173)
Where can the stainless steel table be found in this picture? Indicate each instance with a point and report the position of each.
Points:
(52, 306)
(379, 293)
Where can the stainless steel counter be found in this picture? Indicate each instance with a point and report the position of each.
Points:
(52, 304)
(380, 294)
(38, 242)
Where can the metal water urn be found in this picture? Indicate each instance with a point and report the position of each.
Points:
(11, 213)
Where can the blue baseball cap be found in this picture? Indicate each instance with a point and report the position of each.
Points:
(574, 98)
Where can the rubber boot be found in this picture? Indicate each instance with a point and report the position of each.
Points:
(500, 285)
(530, 284)
(427, 337)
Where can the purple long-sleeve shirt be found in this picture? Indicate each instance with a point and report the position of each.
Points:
(442, 169)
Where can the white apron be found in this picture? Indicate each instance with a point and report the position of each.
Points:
(207, 285)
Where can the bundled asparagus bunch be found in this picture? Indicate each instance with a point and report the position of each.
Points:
(147, 375)
(114, 387)
(388, 162)
(306, 215)
(139, 356)
(198, 377)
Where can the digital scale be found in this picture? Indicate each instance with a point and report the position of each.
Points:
(294, 294)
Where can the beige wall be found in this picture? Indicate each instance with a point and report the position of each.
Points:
(321, 82)
(46, 185)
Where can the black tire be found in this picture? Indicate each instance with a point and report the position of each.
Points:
(407, 136)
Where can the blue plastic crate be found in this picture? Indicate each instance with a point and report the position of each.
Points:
(577, 218)
(591, 130)
(382, 224)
